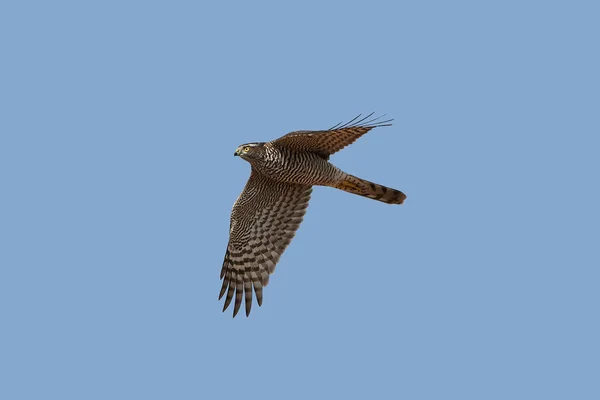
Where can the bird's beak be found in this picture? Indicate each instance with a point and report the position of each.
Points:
(236, 153)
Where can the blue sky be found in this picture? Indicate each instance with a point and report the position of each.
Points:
(119, 120)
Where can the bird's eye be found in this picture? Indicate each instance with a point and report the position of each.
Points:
(246, 149)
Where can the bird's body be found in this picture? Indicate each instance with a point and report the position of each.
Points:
(271, 207)
(304, 168)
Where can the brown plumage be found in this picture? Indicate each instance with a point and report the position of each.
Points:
(271, 207)
(352, 184)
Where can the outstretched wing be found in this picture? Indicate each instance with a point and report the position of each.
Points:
(264, 220)
(332, 140)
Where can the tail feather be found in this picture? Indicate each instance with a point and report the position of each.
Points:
(361, 187)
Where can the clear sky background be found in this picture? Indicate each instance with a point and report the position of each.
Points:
(118, 124)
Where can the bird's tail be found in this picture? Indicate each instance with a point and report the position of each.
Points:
(352, 184)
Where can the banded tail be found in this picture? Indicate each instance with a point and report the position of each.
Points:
(361, 187)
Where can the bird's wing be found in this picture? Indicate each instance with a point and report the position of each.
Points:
(332, 140)
(264, 220)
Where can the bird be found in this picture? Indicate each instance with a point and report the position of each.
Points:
(267, 213)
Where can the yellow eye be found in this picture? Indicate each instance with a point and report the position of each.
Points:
(246, 149)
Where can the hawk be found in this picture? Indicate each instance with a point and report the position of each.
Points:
(271, 207)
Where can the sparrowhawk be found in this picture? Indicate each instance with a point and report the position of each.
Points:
(271, 207)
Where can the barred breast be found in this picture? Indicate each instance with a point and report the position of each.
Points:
(303, 168)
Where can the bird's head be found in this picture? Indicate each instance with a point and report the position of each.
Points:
(250, 151)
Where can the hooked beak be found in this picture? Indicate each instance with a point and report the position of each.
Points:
(236, 154)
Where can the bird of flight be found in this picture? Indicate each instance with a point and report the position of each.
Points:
(271, 207)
